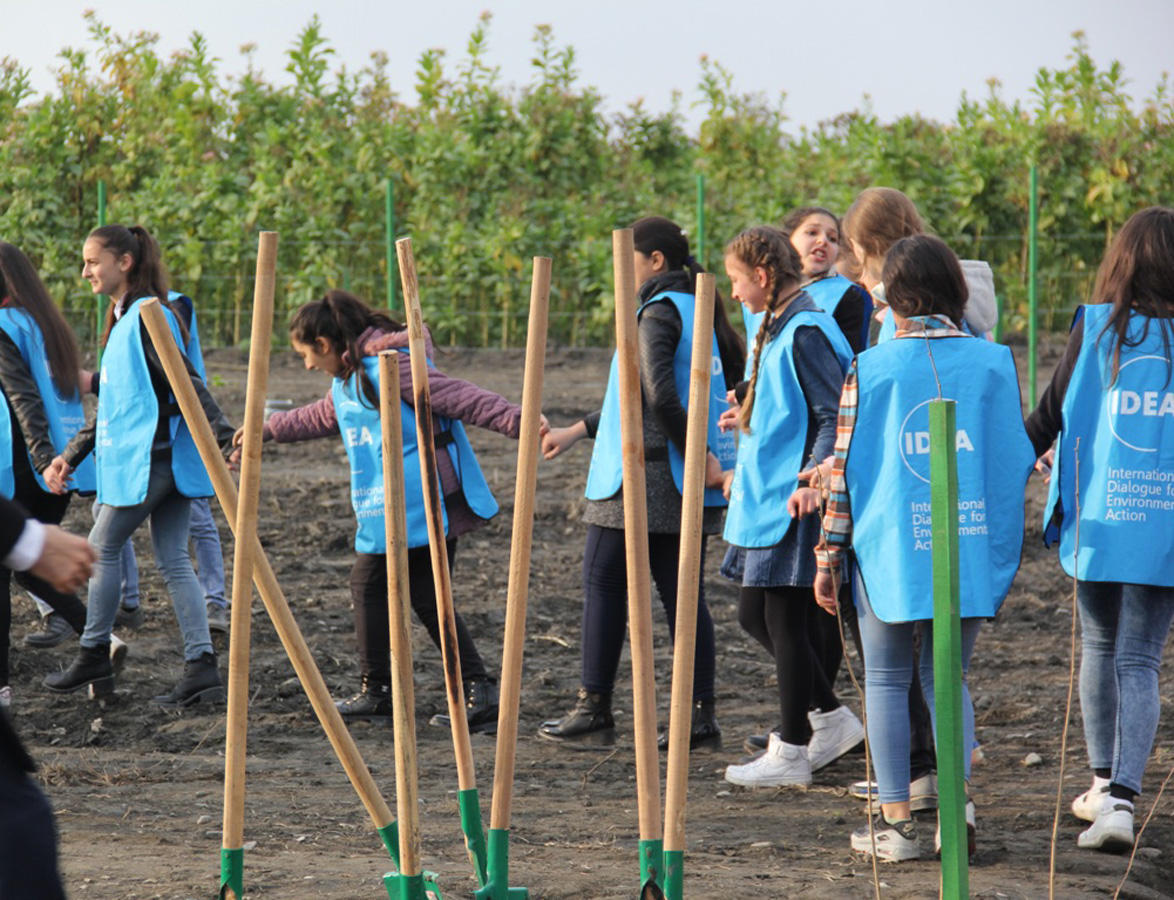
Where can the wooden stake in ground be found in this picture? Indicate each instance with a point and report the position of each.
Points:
(409, 883)
(497, 888)
(467, 797)
(685, 639)
(636, 547)
(275, 603)
(232, 852)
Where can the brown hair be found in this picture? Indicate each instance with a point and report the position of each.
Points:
(878, 218)
(770, 249)
(923, 278)
(1135, 276)
(147, 276)
(22, 286)
(796, 217)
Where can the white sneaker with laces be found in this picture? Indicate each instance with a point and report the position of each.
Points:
(832, 735)
(971, 831)
(923, 792)
(1112, 829)
(1087, 805)
(895, 841)
(780, 764)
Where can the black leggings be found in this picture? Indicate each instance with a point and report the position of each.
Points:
(50, 509)
(779, 618)
(369, 602)
(605, 607)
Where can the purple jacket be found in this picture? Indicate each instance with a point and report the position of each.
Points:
(453, 398)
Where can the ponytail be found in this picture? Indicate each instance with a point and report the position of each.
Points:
(340, 318)
(147, 276)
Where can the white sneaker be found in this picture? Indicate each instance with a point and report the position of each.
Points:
(779, 764)
(1112, 829)
(923, 792)
(971, 831)
(118, 651)
(1087, 805)
(832, 735)
(895, 841)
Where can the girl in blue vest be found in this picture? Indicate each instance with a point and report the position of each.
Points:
(1113, 392)
(39, 369)
(880, 501)
(342, 336)
(147, 466)
(787, 417)
(666, 274)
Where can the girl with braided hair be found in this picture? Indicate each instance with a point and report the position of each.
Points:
(787, 416)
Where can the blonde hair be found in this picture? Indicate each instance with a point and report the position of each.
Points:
(878, 218)
(770, 249)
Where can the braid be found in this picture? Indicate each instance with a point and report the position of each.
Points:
(759, 340)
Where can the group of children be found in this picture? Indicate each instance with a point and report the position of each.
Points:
(818, 462)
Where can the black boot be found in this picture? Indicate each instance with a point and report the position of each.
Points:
(480, 707)
(703, 732)
(373, 701)
(92, 667)
(589, 722)
(200, 684)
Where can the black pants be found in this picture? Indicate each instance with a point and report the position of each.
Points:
(28, 862)
(50, 509)
(605, 607)
(779, 618)
(369, 601)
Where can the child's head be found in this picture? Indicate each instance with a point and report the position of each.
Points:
(20, 285)
(325, 332)
(922, 278)
(1138, 270)
(763, 266)
(661, 246)
(123, 262)
(815, 233)
(877, 219)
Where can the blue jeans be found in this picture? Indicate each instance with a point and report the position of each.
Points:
(209, 560)
(1123, 630)
(170, 515)
(888, 672)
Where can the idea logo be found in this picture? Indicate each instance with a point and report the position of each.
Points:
(1137, 409)
(913, 441)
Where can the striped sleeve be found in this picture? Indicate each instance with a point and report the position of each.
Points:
(837, 519)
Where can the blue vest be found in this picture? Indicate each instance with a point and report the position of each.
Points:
(193, 349)
(826, 292)
(771, 455)
(127, 415)
(65, 414)
(359, 425)
(1126, 432)
(606, 474)
(887, 473)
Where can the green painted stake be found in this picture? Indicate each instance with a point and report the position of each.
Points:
(469, 803)
(232, 873)
(100, 310)
(389, 219)
(947, 648)
(390, 836)
(652, 862)
(1032, 275)
(674, 874)
(998, 330)
(498, 885)
(699, 247)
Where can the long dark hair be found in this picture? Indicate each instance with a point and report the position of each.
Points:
(21, 284)
(341, 318)
(658, 233)
(767, 248)
(923, 277)
(1136, 276)
(147, 276)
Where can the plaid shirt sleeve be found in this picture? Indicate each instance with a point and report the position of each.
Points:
(837, 519)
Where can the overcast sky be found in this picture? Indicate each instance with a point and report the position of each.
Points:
(907, 56)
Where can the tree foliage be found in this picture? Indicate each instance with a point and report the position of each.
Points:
(487, 175)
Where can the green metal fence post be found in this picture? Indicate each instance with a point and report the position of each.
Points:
(389, 216)
(699, 247)
(1032, 274)
(947, 649)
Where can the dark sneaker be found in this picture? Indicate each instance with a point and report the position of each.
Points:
(704, 733)
(373, 701)
(200, 684)
(54, 630)
(480, 708)
(217, 618)
(589, 723)
(131, 617)
(90, 669)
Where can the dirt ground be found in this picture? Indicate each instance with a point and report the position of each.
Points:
(138, 790)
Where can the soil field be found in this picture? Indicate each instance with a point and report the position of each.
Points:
(138, 790)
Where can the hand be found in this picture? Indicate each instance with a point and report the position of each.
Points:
(85, 380)
(559, 440)
(56, 475)
(238, 439)
(728, 420)
(727, 482)
(65, 561)
(819, 474)
(803, 502)
(714, 476)
(825, 592)
(1044, 464)
(543, 425)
